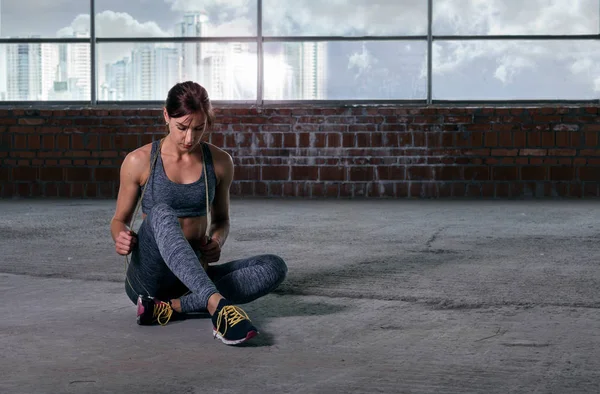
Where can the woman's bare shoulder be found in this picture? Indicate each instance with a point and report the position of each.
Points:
(139, 155)
(220, 157)
(137, 163)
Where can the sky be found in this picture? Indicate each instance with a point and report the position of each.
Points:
(461, 69)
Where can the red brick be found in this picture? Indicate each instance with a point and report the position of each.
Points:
(562, 152)
(589, 174)
(78, 174)
(548, 139)
(51, 174)
(590, 190)
(491, 139)
(562, 139)
(32, 121)
(361, 174)
(448, 173)
(546, 119)
(25, 174)
(591, 127)
(304, 173)
(562, 173)
(333, 140)
(505, 173)
(505, 152)
(533, 152)
(418, 139)
(105, 174)
(419, 173)
(289, 140)
(330, 173)
(591, 138)
(576, 139)
(363, 140)
(289, 189)
(62, 142)
(391, 173)
(478, 127)
(505, 139)
(519, 139)
(565, 127)
(434, 140)
(534, 173)
(247, 188)
(348, 140)
(20, 141)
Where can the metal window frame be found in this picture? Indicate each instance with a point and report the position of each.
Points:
(260, 39)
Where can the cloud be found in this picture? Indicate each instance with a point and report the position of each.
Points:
(226, 17)
(509, 59)
(113, 24)
(363, 62)
(345, 17)
(515, 17)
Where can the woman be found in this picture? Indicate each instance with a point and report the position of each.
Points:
(179, 179)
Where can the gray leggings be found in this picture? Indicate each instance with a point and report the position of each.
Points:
(164, 265)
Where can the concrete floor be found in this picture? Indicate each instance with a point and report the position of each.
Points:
(381, 297)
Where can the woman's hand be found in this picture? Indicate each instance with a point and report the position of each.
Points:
(211, 250)
(125, 242)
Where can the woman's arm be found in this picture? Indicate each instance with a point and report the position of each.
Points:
(219, 229)
(129, 184)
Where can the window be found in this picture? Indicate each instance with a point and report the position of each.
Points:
(279, 50)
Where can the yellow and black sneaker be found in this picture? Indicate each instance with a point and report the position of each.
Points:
(231, 324)
(152, 311)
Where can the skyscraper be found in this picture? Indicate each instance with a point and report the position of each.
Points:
(79, 64)
(194, 24)
(167, 71)
(3, 62)
(309, 62)
(143, 73)
(23, 64)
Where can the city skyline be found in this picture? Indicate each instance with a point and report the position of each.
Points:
(463, 70)
(228, 71)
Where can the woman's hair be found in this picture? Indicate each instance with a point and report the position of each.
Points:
(186, 98)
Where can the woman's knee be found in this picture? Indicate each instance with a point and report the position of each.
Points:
(277, 265)
(159, 212)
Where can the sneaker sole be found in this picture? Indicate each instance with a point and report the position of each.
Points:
(250, 335)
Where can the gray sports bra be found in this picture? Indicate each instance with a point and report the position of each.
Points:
(187, 200)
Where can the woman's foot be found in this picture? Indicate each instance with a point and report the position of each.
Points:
(231, 324)
(151, 311)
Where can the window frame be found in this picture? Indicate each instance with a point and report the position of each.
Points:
(260, 39)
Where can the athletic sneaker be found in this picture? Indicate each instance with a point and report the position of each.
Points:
(151, 310)
(231, 324)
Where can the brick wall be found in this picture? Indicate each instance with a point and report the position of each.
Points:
(307, 151)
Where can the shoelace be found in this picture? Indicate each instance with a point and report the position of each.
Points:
(164, 311)
(232, 315)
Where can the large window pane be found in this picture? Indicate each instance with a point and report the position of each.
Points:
(46, 19)
(344, 17)
(516, 70)
(345, 70)
(176, 18)
(34, 72)
(146, 71)
(510, 17)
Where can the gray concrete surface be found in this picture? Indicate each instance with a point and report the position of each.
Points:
(381, 297)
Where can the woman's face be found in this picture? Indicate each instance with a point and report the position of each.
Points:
(186, 131)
